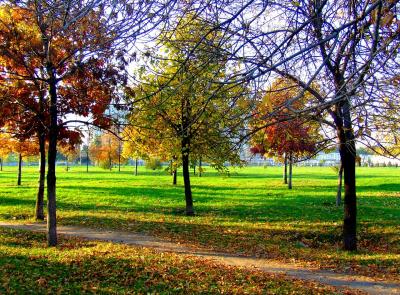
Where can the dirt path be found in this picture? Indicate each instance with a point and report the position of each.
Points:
(363, 283)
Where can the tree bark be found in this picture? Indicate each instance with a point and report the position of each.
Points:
(39, 210)
(87, 151)
(119, 159)
(174, 176)
(347, 150)
(51, 158)
(340, 184)
(285, 168)
(136, 167)
(290, 170)
(200, 169)
(186, 176)
(19, 168)
(87, 160)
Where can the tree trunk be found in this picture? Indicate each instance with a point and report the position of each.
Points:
(200, 169)
(174, 176)
(339, 189)
(67, 164)
(1, 164)
(87, 160)
(347, 150)
(285, 164)
(87, 151)
(19, 169)
(194, 169)
(119, 159)
(39, 210)
(290, 170)
(51, 171)
(186, 176)
(136, 166)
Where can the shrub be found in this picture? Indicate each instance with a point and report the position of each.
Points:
(153, 164)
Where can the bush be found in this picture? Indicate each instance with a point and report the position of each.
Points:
(153, 164)
(105, 165)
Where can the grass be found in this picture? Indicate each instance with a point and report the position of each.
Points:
(249, 213)
(83, 267)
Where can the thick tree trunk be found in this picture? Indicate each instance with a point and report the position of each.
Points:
(19, 169)
(340, 184)
(39, 210)
(290, 171)
(186, 176)
(51, 171)
(347, 150)
(285, 168)
(136, 167)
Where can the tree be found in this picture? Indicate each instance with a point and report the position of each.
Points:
(73, 49)
(350, 48)
(176, 105)
(288, 139)
(24, 149)
(5, 148)
(70, 147)
(105, 151)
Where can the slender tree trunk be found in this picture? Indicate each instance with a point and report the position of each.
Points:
(119, 159)
(290, 170)
(339, 189)
(87, 160)
(51, 158)
(174, 176)
(200, 169)
(194, 169)
(186, 176)
(87, 151)
(67, 164)
(136, 166)
(285, 167)
(39, 209)
(1, 164)
(19, 168)
(347, 151)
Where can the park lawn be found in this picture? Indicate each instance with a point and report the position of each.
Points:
(79, 267)
(249, 213)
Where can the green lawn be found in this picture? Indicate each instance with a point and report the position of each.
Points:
(250, 213)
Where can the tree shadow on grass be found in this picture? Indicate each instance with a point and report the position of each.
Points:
(237, 237)
(384, 187)
(218, 201)
(15, 201)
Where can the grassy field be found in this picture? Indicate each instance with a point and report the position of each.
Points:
(249, 213)
(82, 267)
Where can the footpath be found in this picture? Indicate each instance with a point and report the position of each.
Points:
(339, 280)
